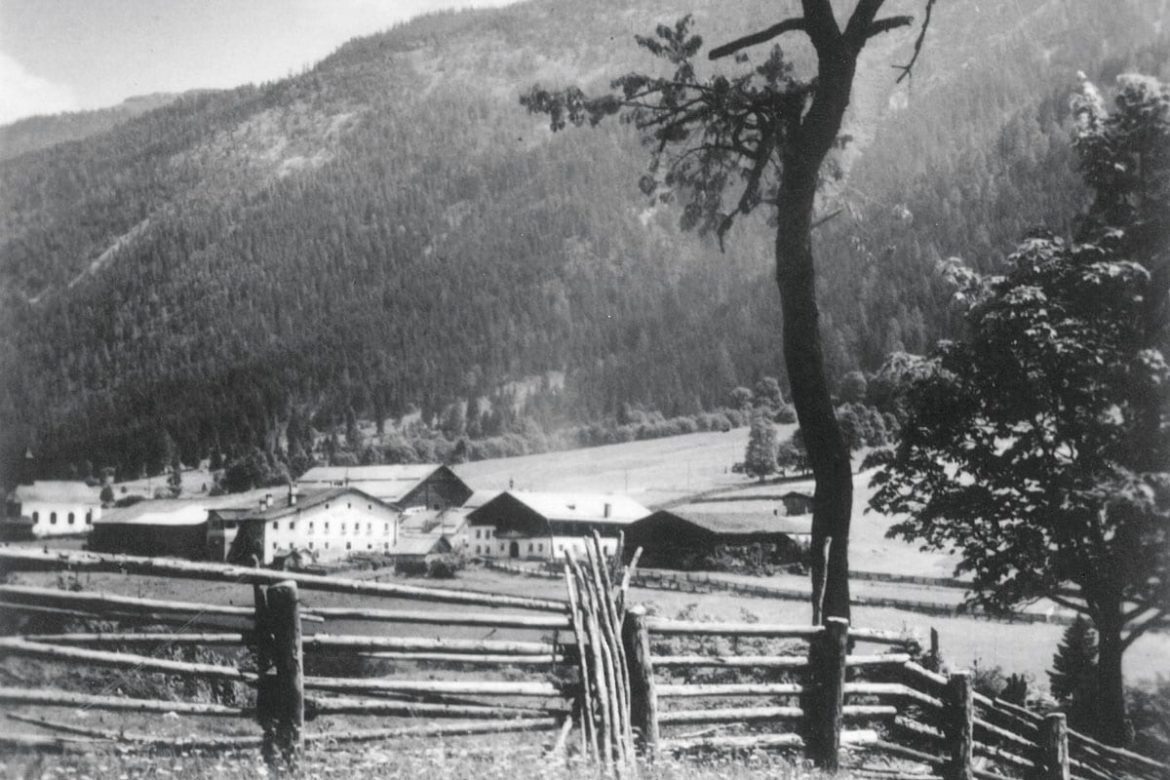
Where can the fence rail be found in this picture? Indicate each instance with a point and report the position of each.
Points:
(598, 666)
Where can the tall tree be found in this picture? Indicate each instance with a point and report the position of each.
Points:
(760, 458)
(765, 132)
(1039, 446)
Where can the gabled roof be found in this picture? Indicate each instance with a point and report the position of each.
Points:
(423, 544)
(282, 507)
(386, 482)
(170, 511)
(57, 492)
(761, 521)
(580, 507)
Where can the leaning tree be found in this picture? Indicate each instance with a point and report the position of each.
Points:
(727, 144)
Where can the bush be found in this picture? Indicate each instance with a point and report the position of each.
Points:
(445, 567)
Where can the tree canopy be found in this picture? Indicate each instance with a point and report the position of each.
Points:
(1039, 445)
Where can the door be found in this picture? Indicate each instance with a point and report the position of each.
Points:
(514, 550)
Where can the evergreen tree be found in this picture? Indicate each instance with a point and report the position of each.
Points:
(1073, 678)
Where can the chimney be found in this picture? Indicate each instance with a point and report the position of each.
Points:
(292, 494)
(606, 512)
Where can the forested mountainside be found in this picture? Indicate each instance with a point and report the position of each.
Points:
(391, 229)
(41, 132)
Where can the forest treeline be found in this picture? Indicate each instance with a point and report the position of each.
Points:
(389, 234)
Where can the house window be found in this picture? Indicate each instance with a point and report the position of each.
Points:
(276, 525)
(292, 525)
(370, 507)
(36, 517)
(52, 518)
(274, 546)
(348, 505)
(89, 517)
(310, 526)
(71, 518)
(476, 533)
(326, 506)
(540, 547)
(343, 528)
(477, 549)
(349, 545)
(326, 545)
(386, 529)
(369, 528)
(310, 545)
(369, 546)
(386, 545)
(327, 528)
(530, 547)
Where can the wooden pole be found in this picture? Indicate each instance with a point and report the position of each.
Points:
(960, 723)
(643, 696)
(288, 660)
(824, 706)
(1054, 747)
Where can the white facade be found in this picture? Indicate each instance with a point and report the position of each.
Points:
(329, 526)
(51, 508)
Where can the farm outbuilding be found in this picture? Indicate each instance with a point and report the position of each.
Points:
(426, 485)
(166, 527)
(683, 538)
(413, 554)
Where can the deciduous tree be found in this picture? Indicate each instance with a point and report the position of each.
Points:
(1039, 446)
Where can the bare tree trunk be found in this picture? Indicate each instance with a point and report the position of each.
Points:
(803, 356)
(1113, 727)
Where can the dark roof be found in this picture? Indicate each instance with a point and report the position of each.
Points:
(741, 523)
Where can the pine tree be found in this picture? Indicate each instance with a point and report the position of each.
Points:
(1073, 678)
(760, 458)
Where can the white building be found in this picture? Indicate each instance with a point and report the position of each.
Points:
(516, 524)
(327, 525)
(52, 508)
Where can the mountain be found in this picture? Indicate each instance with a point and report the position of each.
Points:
(42, 132)
(390, 229)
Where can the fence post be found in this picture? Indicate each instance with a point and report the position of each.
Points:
(288, 658)
(960, 722)
(825, 694)
(1054, 747)
(643, 696)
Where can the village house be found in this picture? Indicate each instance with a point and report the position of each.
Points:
(515, 524)
(51, 508)
(426, 485)
(329, 524)
(701, 536)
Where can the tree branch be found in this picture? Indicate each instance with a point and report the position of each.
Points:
(1069, 603)
(909, 66)
(859, 22)
(776, 30)
(889, 23)
(1141, 628)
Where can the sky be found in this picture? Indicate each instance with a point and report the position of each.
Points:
(70, 55)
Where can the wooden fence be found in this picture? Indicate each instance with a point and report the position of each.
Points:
(624, 681)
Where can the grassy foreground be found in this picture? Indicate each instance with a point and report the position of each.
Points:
(400, 759)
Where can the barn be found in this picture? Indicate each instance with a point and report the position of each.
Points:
(164, 527)
(405, 486)
(684, 538)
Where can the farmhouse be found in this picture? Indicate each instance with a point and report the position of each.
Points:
(329, 525)
(164, 527)
(51, 508)
(407, 485)
(686, 538)
(517, 524)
